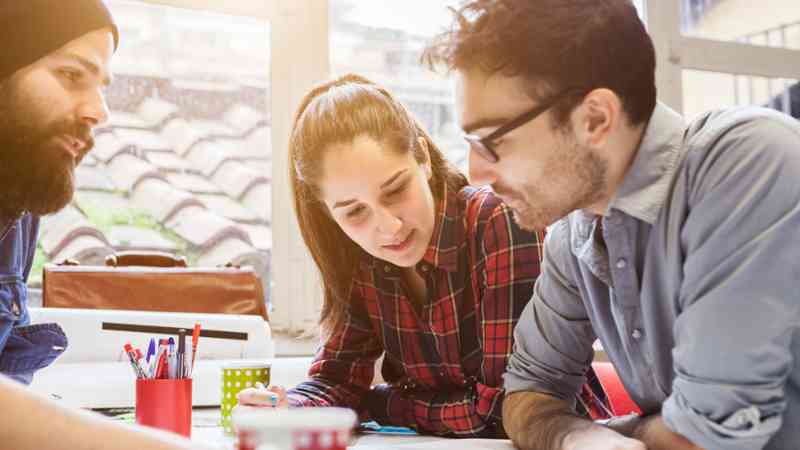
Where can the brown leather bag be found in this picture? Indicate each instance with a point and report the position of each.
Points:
(153, 281)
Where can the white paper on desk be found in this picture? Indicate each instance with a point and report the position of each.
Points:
(428, 443)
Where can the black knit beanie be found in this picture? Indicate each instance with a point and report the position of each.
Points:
(31, 29)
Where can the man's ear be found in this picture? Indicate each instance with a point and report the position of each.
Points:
(597, 116)
(423, 144)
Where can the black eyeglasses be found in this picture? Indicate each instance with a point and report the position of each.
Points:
(485, 146)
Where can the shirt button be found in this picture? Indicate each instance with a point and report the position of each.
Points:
(387, 269)
(637, 334)
(621, 263)
(424, 267)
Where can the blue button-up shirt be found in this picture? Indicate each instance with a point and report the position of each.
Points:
(691, 281)
(24, 348)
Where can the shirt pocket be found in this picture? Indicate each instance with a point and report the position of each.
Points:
(30, 348)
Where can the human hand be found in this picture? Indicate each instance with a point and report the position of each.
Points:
(600, 438)
(273, 396)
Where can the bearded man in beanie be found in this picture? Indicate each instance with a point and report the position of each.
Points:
(53, 70)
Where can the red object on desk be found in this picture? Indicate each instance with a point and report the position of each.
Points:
(321, 440)
(165, 404)
(620, 402)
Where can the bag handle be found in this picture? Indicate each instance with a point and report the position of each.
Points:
(144, 258)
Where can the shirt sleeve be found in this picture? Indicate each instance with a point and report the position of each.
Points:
(738, 300)
(343, 369)
(554, 336)
(469, 412)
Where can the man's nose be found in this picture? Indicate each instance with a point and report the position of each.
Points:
(93, 111)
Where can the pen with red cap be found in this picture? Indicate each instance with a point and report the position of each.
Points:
(195, 341)
(132, 358)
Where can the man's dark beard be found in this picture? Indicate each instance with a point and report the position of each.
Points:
(34, 176)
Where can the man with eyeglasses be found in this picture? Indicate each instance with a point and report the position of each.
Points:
(673, 243)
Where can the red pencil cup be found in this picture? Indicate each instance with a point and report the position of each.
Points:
(165, 404)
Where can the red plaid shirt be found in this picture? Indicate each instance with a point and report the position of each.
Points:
(444, 359)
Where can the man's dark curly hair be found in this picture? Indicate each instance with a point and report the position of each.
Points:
(555, 44)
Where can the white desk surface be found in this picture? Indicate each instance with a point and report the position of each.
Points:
(206, 429)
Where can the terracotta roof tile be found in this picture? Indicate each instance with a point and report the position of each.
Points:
(203, 228)
(215, 129)
(156, 112)
(182, 136)
(236, 179)
(234, 251)
(207, 157)
(167, 161)
(59, 220)
(127, 171)
(259, 199)
(101, 202)
(126, 237)
(226, 207)
(162, 200)
(144, 140)
(260, 235)
(89, 160)
(260, 142)
(86, 249)
(65, 227)
(108, 145)
(257, 146)
(244, 119)
(92, 178)
(195, 184)
(262, 166)
(120, 119)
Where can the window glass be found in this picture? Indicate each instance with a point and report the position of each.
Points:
(383, 40)
(772, 23)
(704, 91)
(184, 163)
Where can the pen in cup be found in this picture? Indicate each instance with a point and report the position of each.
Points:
(132, 358)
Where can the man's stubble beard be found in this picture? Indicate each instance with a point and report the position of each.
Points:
(581, 167)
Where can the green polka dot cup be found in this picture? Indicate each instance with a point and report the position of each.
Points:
(237, 377)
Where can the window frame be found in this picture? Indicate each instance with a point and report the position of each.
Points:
(298, 61)
(676, 52)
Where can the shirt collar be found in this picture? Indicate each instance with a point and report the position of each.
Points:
(448, 234)
(7, 222)
(645, 187)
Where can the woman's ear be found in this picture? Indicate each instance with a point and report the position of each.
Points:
(423, 144)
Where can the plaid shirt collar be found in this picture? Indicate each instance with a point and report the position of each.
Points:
(446, 241)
